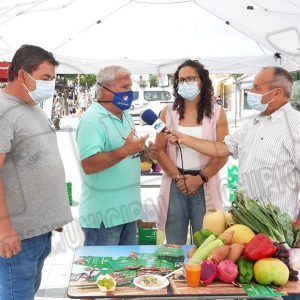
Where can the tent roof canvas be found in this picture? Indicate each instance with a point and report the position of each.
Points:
(228, 36)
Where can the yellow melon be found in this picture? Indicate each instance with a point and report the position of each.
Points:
(146, 166)
(241, 233)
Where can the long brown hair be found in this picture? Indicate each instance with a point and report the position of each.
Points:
(205, 104)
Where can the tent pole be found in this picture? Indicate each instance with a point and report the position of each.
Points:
(235, 100)
(78, 84)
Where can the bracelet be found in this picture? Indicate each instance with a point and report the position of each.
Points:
(203, 176)
(176, 178)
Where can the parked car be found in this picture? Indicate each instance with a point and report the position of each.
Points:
(138, 103)
(157, 99)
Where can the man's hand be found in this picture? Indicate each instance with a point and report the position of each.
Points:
(151, 152)
(191, 182)
(297, 226)
(10, 243)
(297, 222)
(133, 145)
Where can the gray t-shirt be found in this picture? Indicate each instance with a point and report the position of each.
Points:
(33, 172)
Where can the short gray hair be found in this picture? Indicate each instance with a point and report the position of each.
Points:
(109, 75)
(282, 79)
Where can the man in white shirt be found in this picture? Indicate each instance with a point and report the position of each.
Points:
(268, 147)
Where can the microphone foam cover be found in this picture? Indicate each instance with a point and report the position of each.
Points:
(149, 116)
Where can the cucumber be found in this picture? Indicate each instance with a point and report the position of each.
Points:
(202, 253)
(208, 240)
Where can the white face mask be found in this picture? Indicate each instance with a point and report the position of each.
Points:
(188, 91)
(254, 101)
(43, 91)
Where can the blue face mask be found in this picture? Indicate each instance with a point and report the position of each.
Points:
(254, 101)
(44, 90)
(122, 100)
(188, 91)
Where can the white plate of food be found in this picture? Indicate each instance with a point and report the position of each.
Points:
(151, 282)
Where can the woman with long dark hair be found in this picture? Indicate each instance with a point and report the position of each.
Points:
(190, 183)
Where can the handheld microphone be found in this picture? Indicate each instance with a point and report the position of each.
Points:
(150, 118)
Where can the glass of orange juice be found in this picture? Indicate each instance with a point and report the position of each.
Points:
(193, 272)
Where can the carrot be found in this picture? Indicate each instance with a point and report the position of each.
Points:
(227, 237)
(235, 252)
(219, 254)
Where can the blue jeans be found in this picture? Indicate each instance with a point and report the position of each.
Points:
(181, 211)
(20, 275)
(124, 234)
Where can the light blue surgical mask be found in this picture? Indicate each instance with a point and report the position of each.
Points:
(254, 101)
(188, 91)
(44, 89)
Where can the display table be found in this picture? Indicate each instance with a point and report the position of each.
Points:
(80, 285)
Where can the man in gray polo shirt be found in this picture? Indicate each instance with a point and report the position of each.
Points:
(33, 199)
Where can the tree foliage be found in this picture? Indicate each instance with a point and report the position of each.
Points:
(236, 76)
(87, 80)
(71, 80)
(153, 80)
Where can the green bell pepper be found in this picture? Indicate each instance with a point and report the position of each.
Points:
(245, 267)
(200, 236)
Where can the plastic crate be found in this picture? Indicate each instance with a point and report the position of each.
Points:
(69, 191)
(233, 174)
(231, 194)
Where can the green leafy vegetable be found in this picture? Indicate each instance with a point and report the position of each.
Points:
(265, 218)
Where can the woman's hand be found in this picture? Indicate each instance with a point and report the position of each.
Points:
(192, 183)
(174, 137)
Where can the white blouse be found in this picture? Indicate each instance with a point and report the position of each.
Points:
(191, 158)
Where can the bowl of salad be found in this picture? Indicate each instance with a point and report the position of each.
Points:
(151, 282)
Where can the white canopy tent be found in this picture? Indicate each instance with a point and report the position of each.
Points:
(154, 36)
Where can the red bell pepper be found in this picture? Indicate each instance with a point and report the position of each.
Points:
(259, 247)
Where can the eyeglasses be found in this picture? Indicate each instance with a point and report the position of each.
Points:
(188, 79)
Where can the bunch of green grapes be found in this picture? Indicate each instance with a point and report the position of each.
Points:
(106, 282)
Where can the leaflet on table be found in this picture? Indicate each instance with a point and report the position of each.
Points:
(261, 290)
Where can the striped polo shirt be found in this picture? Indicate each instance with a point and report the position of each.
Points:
(268, 149)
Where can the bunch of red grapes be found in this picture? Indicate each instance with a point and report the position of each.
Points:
(283, 254)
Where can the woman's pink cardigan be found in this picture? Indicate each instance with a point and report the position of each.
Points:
(212, 189)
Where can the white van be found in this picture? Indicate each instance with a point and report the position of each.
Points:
(138, 103)
(158, 98)
(150, 98)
